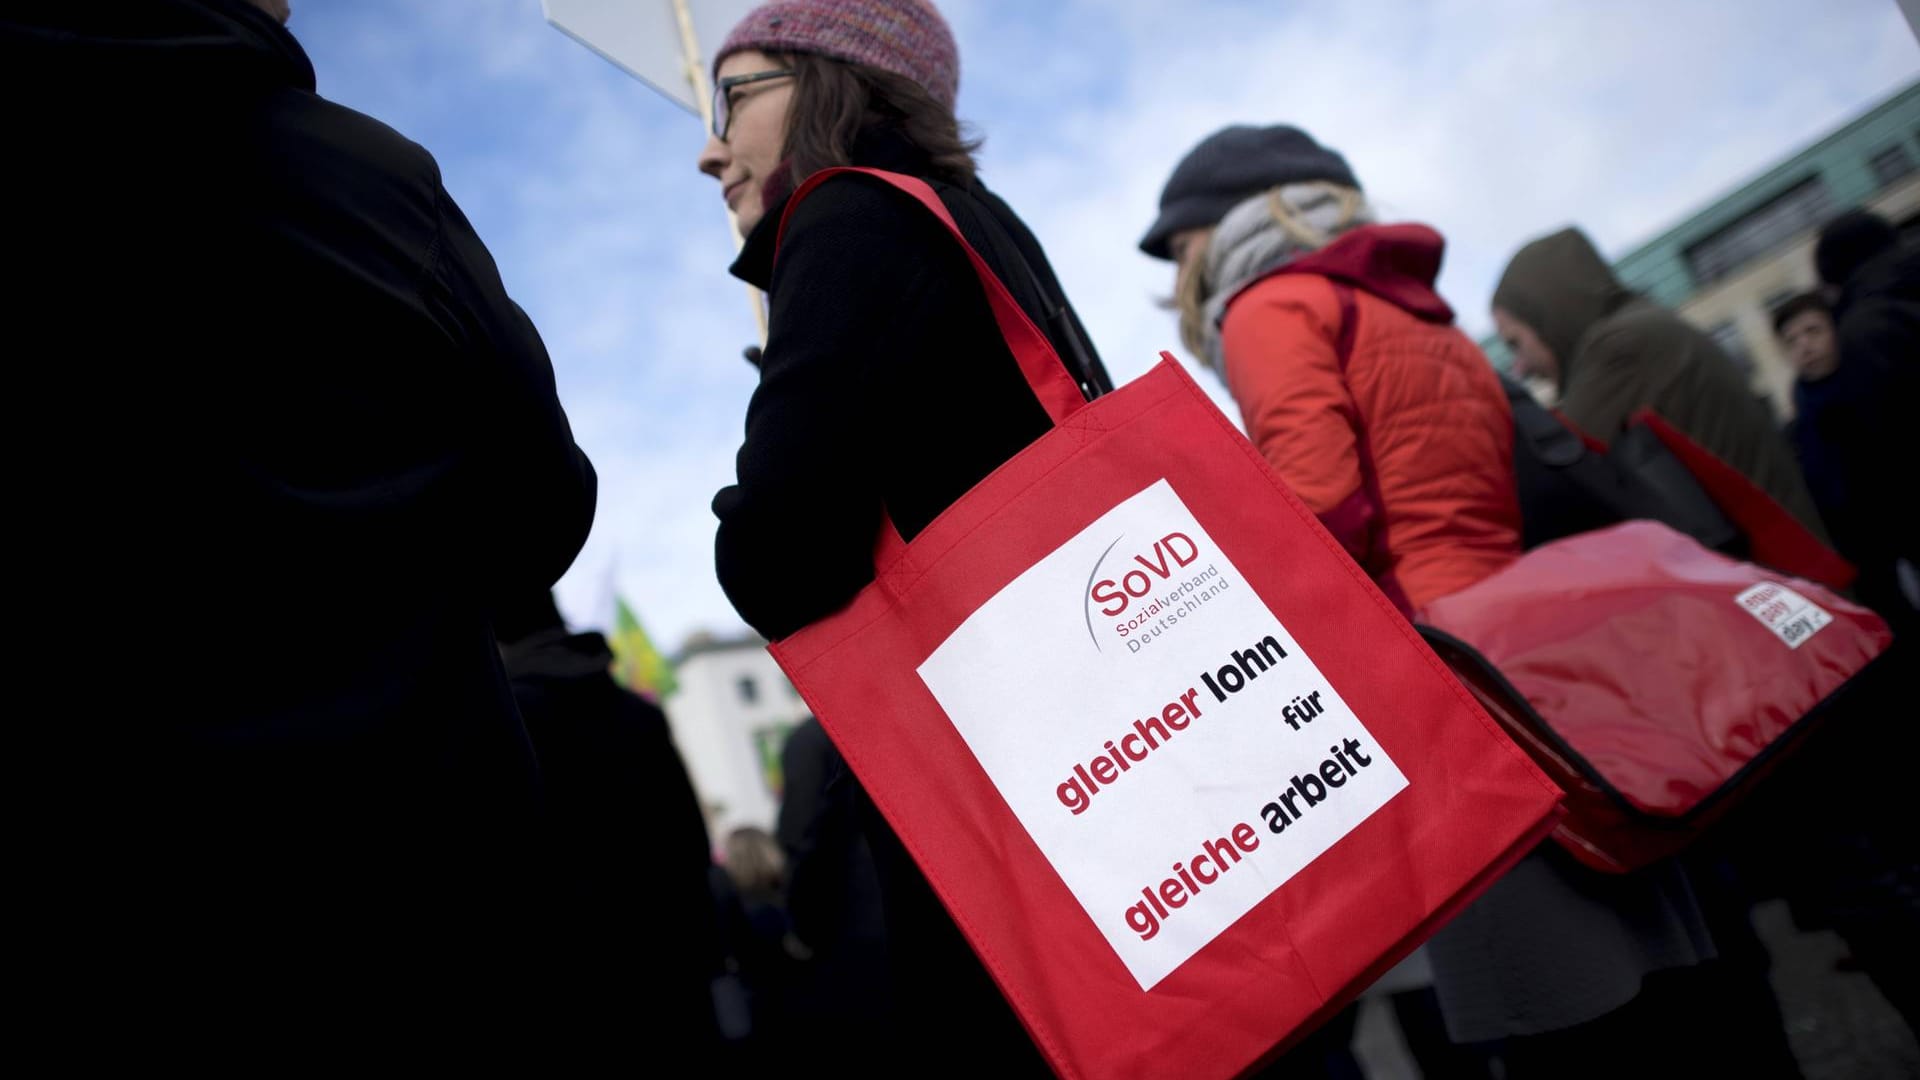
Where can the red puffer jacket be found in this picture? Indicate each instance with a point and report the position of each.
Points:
(1384, 418)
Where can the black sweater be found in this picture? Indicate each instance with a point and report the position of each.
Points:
(884, 383)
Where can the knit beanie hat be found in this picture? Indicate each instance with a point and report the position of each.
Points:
(1232, 165)
(905, 37)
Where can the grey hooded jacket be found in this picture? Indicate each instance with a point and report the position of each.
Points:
(1620, 352)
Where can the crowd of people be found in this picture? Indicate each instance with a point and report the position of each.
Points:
(315, 432)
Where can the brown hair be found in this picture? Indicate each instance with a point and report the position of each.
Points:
(754, 861)
(1797, 306)
(834, 101)
(1190, 300)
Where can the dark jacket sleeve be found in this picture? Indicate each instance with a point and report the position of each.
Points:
(534, 489)
(797, 529)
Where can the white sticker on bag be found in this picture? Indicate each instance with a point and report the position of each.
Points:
(1165, 741)
(1792, 617)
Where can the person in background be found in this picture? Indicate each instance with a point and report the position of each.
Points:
(290, 425)
(886, 390)
(1854, 414)
(1855, 867)
(1349, 373)
(833, 897)
(1805, 326)
(1877, 276)
(764, 955)
(1288, 291)
(631, 937)
(1389, 423)
(1611, 352)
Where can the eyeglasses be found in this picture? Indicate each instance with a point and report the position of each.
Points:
(723, 97)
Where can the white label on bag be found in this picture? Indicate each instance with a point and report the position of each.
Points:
(1792, 617)
(1169, 747)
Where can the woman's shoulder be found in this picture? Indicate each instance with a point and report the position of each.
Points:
(858, 221)
(1283, 296)
(857, 204)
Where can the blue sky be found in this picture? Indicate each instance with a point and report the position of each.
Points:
(1493, 120)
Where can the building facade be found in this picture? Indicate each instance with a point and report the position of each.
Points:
(730, 718)
(1730, 265)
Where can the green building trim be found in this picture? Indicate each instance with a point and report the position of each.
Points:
(1841, 160)
(1843, 163)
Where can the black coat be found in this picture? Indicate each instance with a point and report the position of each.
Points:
(292, 439)
(831, 890)
(632, 925)
(1878, 312)
(884, 383)
(834, 898)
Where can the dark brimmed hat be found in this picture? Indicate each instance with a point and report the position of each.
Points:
(1233, 165)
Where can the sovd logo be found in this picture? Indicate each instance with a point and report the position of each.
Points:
(1171, 552)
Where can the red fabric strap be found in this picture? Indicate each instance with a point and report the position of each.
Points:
(1048, 377)
(1042, 368)
(1775, 537)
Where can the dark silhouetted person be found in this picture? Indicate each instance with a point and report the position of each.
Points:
(293, 444)
(634, 937)
(833, 897)
(1854, 414)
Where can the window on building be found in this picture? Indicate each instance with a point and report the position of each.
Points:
(1727, 335)
(1890, 164)
(1797, 210)
(749, 690)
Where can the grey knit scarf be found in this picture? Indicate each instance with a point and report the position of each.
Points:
(1249, 242)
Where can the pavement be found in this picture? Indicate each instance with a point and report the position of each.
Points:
(1839, 1026)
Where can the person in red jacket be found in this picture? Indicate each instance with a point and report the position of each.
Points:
(1391, 425)
(1349, 373)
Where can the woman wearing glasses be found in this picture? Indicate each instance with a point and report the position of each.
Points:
(885, 385)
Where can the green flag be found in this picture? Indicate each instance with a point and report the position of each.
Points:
(637, 665)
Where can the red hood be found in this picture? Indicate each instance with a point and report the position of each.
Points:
(1396, 263)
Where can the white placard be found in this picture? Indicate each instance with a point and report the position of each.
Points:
(642, 37)
(1168, 745)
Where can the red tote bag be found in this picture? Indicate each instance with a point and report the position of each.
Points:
(1181, 774)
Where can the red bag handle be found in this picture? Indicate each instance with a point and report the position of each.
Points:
(1040, 365)
(1775, 538)
(1046, 375)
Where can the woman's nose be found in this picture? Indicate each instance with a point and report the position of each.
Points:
(713, 157)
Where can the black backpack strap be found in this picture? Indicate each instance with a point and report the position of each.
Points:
(1566, 489)
(1063, 326)
(1552, 443)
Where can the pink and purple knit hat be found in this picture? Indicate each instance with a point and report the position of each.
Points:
(905, 37)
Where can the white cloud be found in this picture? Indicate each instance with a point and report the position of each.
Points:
(1493, 121)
